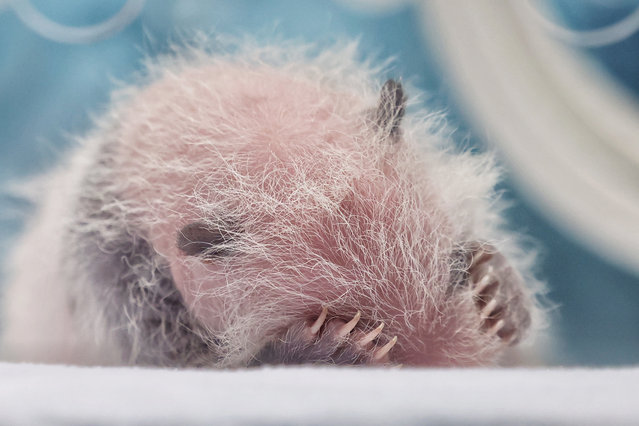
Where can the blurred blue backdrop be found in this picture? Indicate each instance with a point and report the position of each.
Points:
(49, 90)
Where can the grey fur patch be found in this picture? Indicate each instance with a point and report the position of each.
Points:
(143, 312)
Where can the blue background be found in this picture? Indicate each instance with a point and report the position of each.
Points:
(48, 91)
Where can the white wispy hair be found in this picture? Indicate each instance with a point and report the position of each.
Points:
(277, 145)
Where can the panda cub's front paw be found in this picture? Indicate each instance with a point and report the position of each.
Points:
(497, 291)
(326, 340)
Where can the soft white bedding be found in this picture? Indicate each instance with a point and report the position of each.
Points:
(39, 394)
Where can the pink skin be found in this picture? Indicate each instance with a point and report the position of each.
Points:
(284, 125)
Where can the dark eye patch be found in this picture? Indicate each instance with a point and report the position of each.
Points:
(203, 239)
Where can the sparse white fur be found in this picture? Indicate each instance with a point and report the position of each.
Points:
(120, 188)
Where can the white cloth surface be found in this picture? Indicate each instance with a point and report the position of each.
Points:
(40, 394)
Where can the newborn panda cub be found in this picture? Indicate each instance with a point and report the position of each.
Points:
(269, 205)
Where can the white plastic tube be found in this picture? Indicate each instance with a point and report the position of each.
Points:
(569, 134)
(47, 28)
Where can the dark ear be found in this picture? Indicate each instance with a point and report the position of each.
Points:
(390, 109)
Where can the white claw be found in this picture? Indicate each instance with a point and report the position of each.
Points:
(484, 282)
(488, 309)
(385, 349)
(370, 336)
(477, 257)
(495, 328)
(510, 339)
(349, 326)
(319, 321)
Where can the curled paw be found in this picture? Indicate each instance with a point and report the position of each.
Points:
(497, 291)
(351, 341)
(325, 340)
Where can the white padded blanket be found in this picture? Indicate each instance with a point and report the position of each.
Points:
(38, 394)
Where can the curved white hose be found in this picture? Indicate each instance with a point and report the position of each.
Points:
(52, 30)
(609, 34)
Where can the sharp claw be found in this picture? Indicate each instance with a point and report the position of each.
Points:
(484, 282)
(495, 328)
(319, 321)
(349, 326)
(370, 336)
(511, 339)
(478, 256)
(474, 261)
(488, 309)
(384, 349)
